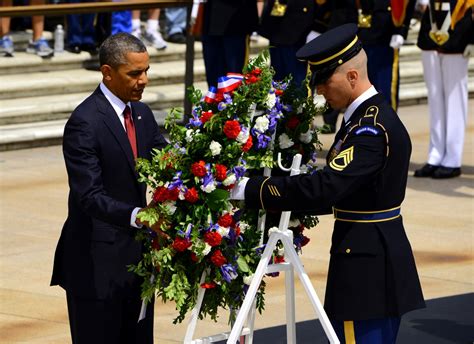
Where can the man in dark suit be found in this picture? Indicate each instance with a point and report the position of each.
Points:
(372, 279)
(102, 139)
(227, 25)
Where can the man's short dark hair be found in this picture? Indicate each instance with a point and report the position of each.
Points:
(113, 50)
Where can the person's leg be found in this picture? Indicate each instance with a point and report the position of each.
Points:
(436, 105)
(39, 45)
(376, 331)
(5, 21)
(213, 58)
(175, 20)
(285, 63)
(382, 67)
(136, 24)
(454, 70)
(37, 21)
(152, 33)
(236, 52)
(6, 43)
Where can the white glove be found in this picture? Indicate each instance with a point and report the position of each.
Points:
(312, 35)
(468, 51)
(397, 41)
(238, 192)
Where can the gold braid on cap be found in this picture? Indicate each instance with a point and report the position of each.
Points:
(336, 54)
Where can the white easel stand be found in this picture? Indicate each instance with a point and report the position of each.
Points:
(247, 311)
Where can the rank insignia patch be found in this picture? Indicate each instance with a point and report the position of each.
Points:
(273, 190)
(343, 159)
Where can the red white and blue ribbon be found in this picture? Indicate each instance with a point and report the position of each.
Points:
(226, 84)
(210, 95)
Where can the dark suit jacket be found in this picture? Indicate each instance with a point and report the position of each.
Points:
(230, 17)
(97, 242)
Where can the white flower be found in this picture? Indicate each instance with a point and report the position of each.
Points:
(261, 123)
(208, 188)
(294, 223)
(248, 279)
(215, 148)
(300, 109)
(243, 226)
(306, 137)
(319, 102)
(284, 141)
(243, 135)
(273, 230)
(271, 100)
(223, 231)
(231, 179)
(207, 249)
(170, 206)
(190, 133)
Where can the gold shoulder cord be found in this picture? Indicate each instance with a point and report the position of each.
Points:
(261, 191)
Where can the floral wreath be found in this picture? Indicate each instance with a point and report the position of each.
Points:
(233, 130)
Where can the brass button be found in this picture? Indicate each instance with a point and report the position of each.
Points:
(305, 9)
(389, 8)
(348, 250)
(340, 61)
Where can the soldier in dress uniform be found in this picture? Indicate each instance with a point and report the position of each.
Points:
(446, 38)
(288, 25)
(383, 28)
(372, 278)
(227, 26)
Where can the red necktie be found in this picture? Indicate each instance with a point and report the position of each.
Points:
(130, 128)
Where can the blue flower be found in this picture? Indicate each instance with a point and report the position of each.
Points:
(229, 272)
(263, 141)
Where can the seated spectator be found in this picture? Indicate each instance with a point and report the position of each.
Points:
(38, 45)
(176, 24)
(151, 34)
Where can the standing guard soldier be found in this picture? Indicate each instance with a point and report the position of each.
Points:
(372, 278)
(288, 25)
(446, 39)
(383, 28)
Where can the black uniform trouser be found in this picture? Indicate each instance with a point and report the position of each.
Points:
(284, 61)
(112, 321)
(223, 54)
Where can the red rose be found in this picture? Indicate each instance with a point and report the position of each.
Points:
(221, 172)
(160, 194)
(279, 259)
(199, 169)
(293, 122)
(247, 145)
(251, 79)
(218, 258)
(191, 195)
(225, 220)
(256, 71)
(232, 129)
(173, 194)
(208, 285)
(194, 258)
(278, 92)
(213, 238)
(180, 244)
(205, 116)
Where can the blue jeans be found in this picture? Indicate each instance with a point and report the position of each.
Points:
(175, 20)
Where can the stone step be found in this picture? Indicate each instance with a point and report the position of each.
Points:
(49, 132)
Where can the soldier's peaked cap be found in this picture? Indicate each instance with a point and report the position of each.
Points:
(330, 50)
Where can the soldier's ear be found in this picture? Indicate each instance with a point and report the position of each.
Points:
(352, 76)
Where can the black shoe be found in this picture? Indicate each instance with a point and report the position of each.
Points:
(327, 129)
(90, 48)
(75, 49)
(425, 171)
(177, 37)
(446, 172)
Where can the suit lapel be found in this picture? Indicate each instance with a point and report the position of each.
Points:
(113, 123)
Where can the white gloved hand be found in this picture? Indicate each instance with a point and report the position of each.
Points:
(312, 35)
(397, 41)
(468, 51)
(238, 191)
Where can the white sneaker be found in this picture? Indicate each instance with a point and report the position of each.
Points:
(155, 39)
(137, 33)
